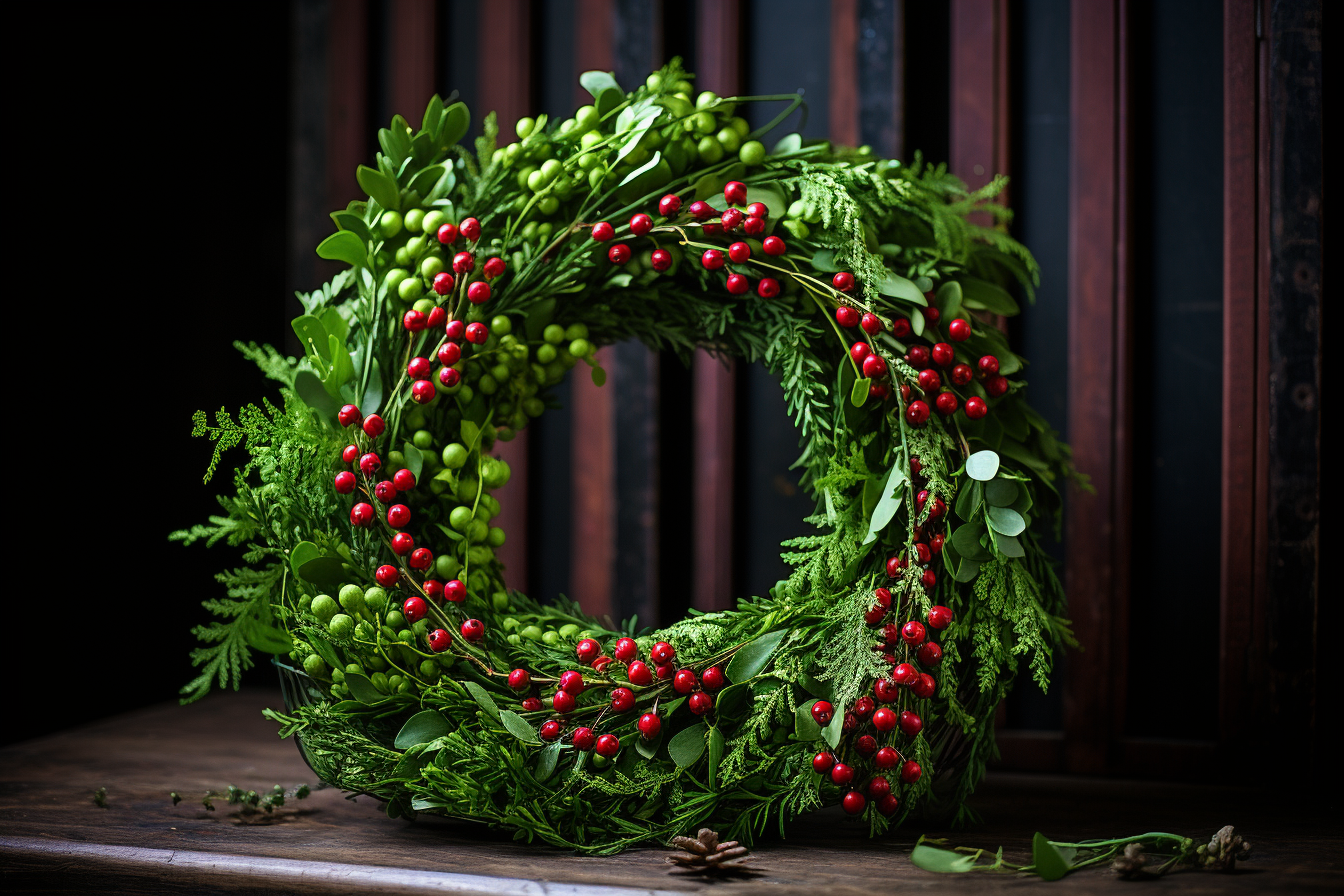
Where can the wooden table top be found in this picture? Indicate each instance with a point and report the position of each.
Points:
(53, 838)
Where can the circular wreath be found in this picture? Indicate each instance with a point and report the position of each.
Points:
(868, 678)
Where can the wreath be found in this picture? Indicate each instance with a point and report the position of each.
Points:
(476, 282)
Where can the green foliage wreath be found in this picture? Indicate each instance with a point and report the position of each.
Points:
(477, 281)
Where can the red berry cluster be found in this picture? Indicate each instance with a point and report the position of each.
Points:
(651, 681)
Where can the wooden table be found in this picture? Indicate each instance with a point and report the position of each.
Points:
(53, 838)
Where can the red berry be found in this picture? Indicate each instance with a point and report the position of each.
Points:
(894, 567)
(663, 653)
(917, 357)
(403, 480)
(684, 681)
(626, 650)
(661, 259)
(884, 719)
(712, 259)
(859, 351)
(418, 368)
(433, 590)
(753, 226)
(882, 596)
(854, 802)
(663, 672)
(880, 391)
(905, 674)
(369, 464)
(913, 633)
(930, 381)
(571, 682)
(471, 229)
(768, 288)
(929, 654)
(989, 364)
(917, 413)
(874, 367)
(822, 712)
(929, 577)
(494, 267)
(477, 333)
(374, 426)
(601, 663)
(414, 609)
(350, 453)
(931, 314)
(976, 407)
(415, 321)
(891, 633)
(962, 374)
(936, 544)
(448, 377)
(911, 772)
(700, 703)
(454, 330)
(587, 650)
(443, 282)
(640, 674)
(946, 403)
(435, 318)
(550, 730)
(900, 327)
(422, 391)
(732, 219)
(841, 774)
(618, 254)
(669, 205)
(846, 316)
(885, 690)
(530, 704)
(398, 515)
(878, 788)
(701, 210)
(421, 559)
(942, 354)
(863, 706)
(640, 224)
(348, 415)
(773, 245)
(910, 723)
(871, 323)
(939, 618)
(622, 699)
(843, 281)
(758, 210)
(649, 725)
(584, 738)
(738, 285)
(478, 293)
(455, 590)
(463, 263)
(519, 679)
(921, 549)
(887, 757)
(925, 687)
(739, 252)
(473, 629)
(874, 614)
(402, 544)
(447, 234)
(712, 678)
(361, 514)
(735, 192)
(439, 641)
(345, 482)
(958, 330)
(996, 386)
(386, 575)
(562, 702)
(608, 745)
(823, 762)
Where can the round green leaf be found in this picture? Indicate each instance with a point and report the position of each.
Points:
(688, 745)
(1050, 865)
(1006, 521)
(343, 245)
(1001, 492)
(362, 689)
(422, 728)
(982, 465)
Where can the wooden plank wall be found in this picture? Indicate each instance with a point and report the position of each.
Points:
(393, 55)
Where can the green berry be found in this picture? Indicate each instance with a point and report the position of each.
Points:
(424, 306)
(409, 289)
(500, 601)
(415, 245)
(704, 123)
(553, 334)
(741, 125)
(585, 119)
(751, 153)
(576, 331)
(524, 127)
(496, 472)
(423, 439)
(433, 221)
(532, 633)
(707, 98)
(729, 139)
(710, 152)
(431, 267)
(477, 530)
(324, 607)
(461, 518)
(392, 279)
(581, 348)
(534, 407)
(341, 625)
(389, 222)
(352, 598)
(797, 228)
(414, 220)
(454, 455)
(338, 675)
(500, 325)
(379, 681)
(495, 537)
(550, 638)
(446, 566)
(354, 669)
(375, 599)
(314, 666)
(548, 206)
(394, 619)
(546, 351)
(569, 630)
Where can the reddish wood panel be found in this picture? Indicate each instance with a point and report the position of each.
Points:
(347, 98)
(844, 95)
(978, 123)
(1097, 524)
(412, 57)
(1241, 646)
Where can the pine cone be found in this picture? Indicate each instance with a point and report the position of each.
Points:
(704, 854)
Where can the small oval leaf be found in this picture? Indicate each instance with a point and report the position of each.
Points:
(343, 245)
(518, 727)
(422, 728)
(687, 745)
(753, 656)
(982, 465)
(1005, 520)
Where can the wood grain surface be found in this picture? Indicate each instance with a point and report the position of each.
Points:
(54, 839)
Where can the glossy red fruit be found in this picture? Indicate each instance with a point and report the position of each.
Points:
(463, 263)
(563, 703)
(859, 351)
(421, 559)
(942, 354)
(882, 597)
(874, 367)
(587, 650)
(946, 403)
(443, 283)
(414, 321)
(962, 374)
(931, 314)
(584, 738)
(905, 674)
(939, 617)
(712, 678)
(894, 567)
(917, 413)
(929, 654)
(711, 229)
(350, 453)
(874, 615)
(625, 650)
(447, 234)
(900, 327)
(735, 192)
(618, 254)
(435, 318)
(878, 787)
(958, 330)
(922, 551)
(884, 719)
(448, 377)
(880, 391)
(640, 224)
(519, 679)
(871, 323)
(936, 544)
(455, 590)
(454, 330)
(753, 226)
(530, 704)
(402, 544)
(550, 730)
(854, 802)
(478, 292)
(662, 653)
(887, 757)
(433, 590)
(348, 415)
(822, 712)
(661, 259)
(414, 609)
(738, 285)
(649, 725)
(369, 464)
(701, 210)
(608, 745)
(768, 288)
(930, 381)
(471, 229)
(913, 633)
(758, 210)
(601, 663)
(640, 674)
(910, 723)
(988, 364)
(888, 804)
(885, 690)
(996, 386)
(361, 514)
(976, 407)
(928, 579)
(732, 219)
(669, 205)
(439, 641)
(386, 575)
(917, 356)
(843, 281)
(773, 245)
(345, 482)
(911, 772)
(712, 259)
(494, 266)
(700, 703)
(422, 391)
(477, 333)
(925, 687)
(622, 699)
(571, 682)
(823, 762)
(863, 707)
(398, 515)
(739, 252)
(841, 774)
(418, 368)
(847, 317)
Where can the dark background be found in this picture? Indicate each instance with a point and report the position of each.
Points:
(185, 129)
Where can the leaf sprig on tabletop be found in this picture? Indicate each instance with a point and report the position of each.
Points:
(475, 283)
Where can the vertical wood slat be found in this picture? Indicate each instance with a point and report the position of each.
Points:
(412, 62)
(978, 120)
(347, 98)
(593, 527)
(1241, 647)
(1097, 530)
(719, 67)
(844, 123)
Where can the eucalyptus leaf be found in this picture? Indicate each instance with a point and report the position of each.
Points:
(966, 539)
(1048, 861)
(483, 698)
(597, 81)
(267, 638)
(517, 726)
(649, 748)
(968, 500)
(732, 702)
(967, 570)
(454, 125)
(609, 98)
(687, 745)
(1008, 546)
(788, 144)
(349, 221)
(982, 465)
(948, 299)
(752, 658)
(372, 399)
(1001, 493)
(599, 377)
(834, 729)
(324, 572)
(774, 200)
(335, 325)
(343, 245)
(301, 553)
(313, 336)
(824, 260)
(470, 433)
(324, 649)
(421, 728)
(890, 501)
(647, 166)
(1005, 520)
